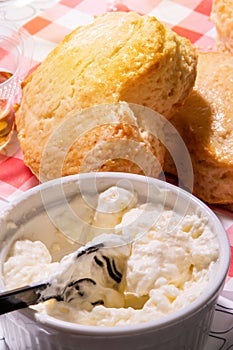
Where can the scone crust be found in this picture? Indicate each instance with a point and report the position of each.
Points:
(118, 57)
(205, 124)
(222, 16)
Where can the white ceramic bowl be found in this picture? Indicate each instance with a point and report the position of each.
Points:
(186, 329)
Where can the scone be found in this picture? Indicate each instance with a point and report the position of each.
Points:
(119, 57)
(222, 17)
(205, 123)
(108, 137)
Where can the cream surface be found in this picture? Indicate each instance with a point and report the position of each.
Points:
(92, 275)
(166, 264)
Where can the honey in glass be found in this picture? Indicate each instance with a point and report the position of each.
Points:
(6, 114)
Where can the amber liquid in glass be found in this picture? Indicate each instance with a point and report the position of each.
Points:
(6, 114)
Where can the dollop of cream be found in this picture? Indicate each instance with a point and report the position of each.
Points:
(93, 275)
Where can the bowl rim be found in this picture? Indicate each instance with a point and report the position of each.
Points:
(199, 304)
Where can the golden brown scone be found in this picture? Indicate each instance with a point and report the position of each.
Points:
(205, 123)
(119, 57)
(222, 17)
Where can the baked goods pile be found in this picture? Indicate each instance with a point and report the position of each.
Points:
(120, 57)
(77, 111)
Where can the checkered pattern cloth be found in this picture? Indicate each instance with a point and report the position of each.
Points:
(187, 18)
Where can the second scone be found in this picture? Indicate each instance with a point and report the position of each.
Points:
(205, 123)
(118, 57)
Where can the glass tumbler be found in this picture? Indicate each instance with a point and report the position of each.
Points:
(14, 65)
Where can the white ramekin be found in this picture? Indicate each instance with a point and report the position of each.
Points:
(186, 329)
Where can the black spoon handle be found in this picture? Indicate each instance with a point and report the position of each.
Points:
(19, 298)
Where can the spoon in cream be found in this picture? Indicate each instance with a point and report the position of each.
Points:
(92, 275)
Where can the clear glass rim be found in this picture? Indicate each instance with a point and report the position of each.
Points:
(15, 38)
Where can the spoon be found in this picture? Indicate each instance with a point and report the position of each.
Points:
(93, 275)
(21, 297)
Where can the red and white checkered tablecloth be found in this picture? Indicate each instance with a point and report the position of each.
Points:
(190, 18)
